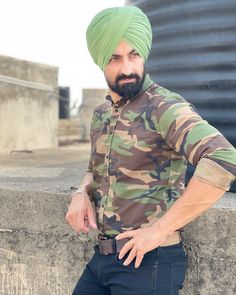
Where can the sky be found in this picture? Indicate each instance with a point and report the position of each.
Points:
(53, 32)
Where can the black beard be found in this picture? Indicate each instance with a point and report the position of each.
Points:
(127, 90)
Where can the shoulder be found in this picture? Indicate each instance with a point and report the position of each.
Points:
(102, 108)
(170, 108)
(167, 104)
(161, 95)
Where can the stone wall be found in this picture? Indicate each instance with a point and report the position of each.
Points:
(41, 255)
(29, 105)
(69, 131)
(210, 242)
(91, 99)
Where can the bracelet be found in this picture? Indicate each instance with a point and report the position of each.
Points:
(79, 191)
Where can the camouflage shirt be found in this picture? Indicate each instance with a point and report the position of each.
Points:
(139, 151)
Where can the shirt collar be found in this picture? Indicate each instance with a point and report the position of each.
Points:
(147, 82)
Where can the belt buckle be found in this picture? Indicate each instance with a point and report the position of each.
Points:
(103, 247)
(101, 250)
(100, 246)
(100, 237)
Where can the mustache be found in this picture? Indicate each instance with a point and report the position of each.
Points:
(122, 77)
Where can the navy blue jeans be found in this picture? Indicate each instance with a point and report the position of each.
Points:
(161, 272)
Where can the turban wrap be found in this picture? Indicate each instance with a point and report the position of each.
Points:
(113, 25)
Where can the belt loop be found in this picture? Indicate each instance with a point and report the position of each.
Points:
(114, 248)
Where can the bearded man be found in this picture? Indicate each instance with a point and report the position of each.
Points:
(141, 140)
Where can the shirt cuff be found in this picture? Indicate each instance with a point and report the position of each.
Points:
(212, 173)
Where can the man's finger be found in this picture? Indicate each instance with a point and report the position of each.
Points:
(129, 245)
(131, 256)
(91, 218)
(138, 260)
(86, 222)
(127, 234)
(73, 223)
(80, 222)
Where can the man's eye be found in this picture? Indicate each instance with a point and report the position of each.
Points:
(114, 58)
(134, 54)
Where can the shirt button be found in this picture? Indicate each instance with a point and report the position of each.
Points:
(107, 156)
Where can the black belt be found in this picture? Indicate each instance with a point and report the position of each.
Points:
(109, 245)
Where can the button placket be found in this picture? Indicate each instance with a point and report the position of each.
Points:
(115, 116)
(106, 184)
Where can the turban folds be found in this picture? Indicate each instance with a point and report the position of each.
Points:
(113, 25)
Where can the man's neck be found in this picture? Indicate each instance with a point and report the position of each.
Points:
(115, 97)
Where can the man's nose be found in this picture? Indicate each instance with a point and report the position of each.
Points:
(126, 68)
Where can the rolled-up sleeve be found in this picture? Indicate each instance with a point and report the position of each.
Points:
(200, 143)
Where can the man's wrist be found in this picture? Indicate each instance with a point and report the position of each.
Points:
(81, 192)
(164, 230)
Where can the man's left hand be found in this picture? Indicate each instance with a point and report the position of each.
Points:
(142, 240)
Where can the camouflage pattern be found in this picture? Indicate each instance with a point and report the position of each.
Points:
(139, 151)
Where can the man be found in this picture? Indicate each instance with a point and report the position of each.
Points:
(141, 140)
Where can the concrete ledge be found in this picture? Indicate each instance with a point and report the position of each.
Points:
(41, 255)
(210, 242)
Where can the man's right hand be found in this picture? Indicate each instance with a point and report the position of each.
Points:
(80, 214)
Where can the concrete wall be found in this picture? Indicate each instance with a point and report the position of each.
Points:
(41, 255)
(91, 99)
(210, 242)
(69, 131)
(29, 105)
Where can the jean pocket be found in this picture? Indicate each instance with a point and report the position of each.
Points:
(149, 259)
(177, 274)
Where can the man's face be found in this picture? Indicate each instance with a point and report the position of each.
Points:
(125, 71)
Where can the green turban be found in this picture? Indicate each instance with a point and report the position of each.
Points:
(113, 25)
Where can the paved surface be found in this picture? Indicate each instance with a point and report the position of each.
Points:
(51, 170)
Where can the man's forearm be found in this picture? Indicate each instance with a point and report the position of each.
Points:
(80, 214)
(86, 183)
(196, 199)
